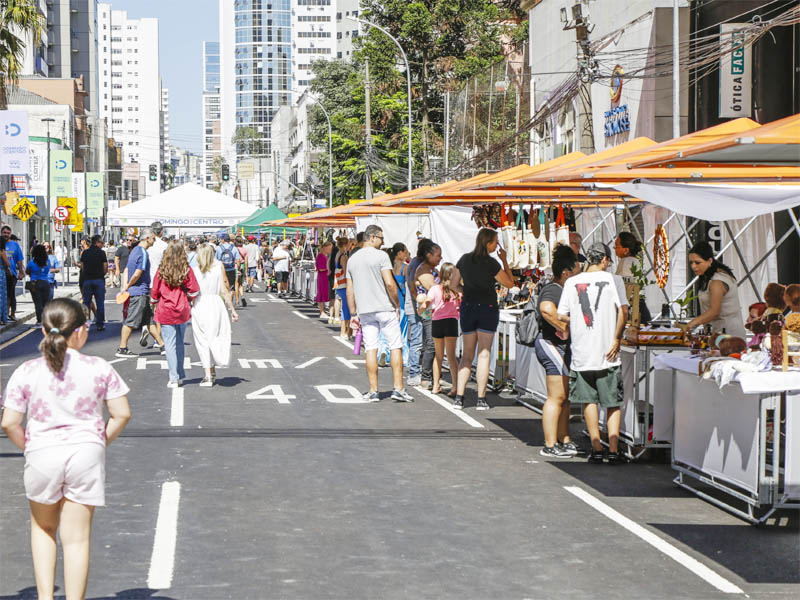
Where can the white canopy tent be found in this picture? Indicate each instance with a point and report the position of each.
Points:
(188, 205)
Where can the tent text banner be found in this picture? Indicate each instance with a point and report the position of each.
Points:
(60, 173)
(14, 158)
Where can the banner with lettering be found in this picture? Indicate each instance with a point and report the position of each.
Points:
(735, 72)
(95, 196)
(60, 173)
(14, 159)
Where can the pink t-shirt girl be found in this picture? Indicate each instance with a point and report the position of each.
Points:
(66, 408)
(443, 309)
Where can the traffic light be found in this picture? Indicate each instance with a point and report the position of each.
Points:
(153, 172)
(226, 172)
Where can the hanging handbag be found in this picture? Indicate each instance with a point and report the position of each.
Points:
(531, 243)
(562, 230)
(508, 239)
(542, 244)
(522, 246)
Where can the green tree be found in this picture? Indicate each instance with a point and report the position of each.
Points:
(249, 141)
(18, 19)
(216, 169)
(169, 175)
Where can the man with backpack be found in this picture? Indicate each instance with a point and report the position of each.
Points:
(226, 254)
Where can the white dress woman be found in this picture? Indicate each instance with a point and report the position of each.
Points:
(211, 326)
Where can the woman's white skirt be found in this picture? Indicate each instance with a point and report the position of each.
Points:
(212, 331)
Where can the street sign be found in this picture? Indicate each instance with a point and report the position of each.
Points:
(72, 205)
(24, 209)
(78, 224)
(59, 226)
(246, 169)
(61, 213)
(130, 172)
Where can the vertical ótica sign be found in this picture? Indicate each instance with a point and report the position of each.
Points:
(735, 72)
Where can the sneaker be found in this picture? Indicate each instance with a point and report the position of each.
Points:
(458, 402)
(413, 381)
(382, 361)
(426, 385)
(155, 346)
(569, 447)
(371, 397)
(481, 404)
(556, 451)
(595, 457)
(124, 353)
(615, 458)
(174, 384)
(244, 302)
(402, 395)
(143, 338)
(207, 382)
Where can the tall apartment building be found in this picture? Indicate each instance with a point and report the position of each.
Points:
(130, 90)
(72, 44)
(346, 30)
(164, 126)
(255, 72)
(212, 140)
(313, 38)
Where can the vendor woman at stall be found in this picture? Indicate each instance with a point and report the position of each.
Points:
(719, 293)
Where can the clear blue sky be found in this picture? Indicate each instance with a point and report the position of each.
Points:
(183, 27)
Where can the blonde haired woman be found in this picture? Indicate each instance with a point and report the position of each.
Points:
(210, 325)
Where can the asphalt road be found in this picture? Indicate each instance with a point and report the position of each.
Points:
(280, 483)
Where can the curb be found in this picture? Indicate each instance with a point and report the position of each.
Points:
(31, 315)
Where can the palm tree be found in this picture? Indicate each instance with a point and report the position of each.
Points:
(18, 20)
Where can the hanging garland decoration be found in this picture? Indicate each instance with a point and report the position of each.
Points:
(661, 256)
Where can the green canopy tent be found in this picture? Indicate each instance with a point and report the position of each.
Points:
(269, 213)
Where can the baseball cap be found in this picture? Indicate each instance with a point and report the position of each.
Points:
(597, 252)
(225, 237)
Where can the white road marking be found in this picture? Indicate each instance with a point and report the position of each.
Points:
(299, 314)
(259, 363)
(271, 392)
(258, 300)
(176, 413)
(19, 337)
(162, 560)
(308, 363)
(271, 296)
(659, 544)
(353, 395)
(447, 406)
(339, 339)
(141, 363)
(350, 364)
(111, 362)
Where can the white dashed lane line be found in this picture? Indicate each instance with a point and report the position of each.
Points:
(176, 411)
(449, 407)
(299, 314)
(162, 560)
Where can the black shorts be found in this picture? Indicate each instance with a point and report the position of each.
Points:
(231, 275)
(282, 276)
(442, 328)
(479, 317)
(139, 313)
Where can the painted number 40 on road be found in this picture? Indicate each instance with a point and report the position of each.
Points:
(334, 393)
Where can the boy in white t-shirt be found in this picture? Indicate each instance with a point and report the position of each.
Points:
(595, 305)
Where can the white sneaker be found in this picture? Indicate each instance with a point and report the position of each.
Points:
(207, 382)
(174, 384)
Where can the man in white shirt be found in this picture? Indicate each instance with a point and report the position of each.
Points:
(372, 295)
(252, 262)
(281, 257)
(595, 305)
(154, 254)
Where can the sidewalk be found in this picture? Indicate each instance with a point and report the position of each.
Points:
(25, 310)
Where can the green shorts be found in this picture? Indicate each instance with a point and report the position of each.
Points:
(597, 387)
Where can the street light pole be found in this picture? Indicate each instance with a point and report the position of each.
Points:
(330, 155)
(408, 81)
(48, 120)
(86, 150)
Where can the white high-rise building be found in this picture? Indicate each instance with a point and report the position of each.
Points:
(212, 140)
(164, 126)
(346, 29)
(313, 38)
(130, 90)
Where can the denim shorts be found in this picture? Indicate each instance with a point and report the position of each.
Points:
(479, 317)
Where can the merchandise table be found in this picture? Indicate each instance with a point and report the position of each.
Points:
(736, 439)
(502, 364)
(303, 280)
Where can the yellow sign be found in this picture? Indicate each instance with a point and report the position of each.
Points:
(354, 201)
(24, 209)
(293, 215)
(78, 224)
(72, 205)
(11, 201)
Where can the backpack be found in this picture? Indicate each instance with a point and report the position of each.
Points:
(227, 258)
(528, 324)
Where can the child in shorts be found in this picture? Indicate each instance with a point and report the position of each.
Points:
(443, 304)
(63, 393)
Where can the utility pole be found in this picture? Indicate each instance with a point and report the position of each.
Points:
(580, 23)
(446, 135)
(368, 121)
(48, 120)
(676, 73)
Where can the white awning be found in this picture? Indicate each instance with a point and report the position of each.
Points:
(715, 202)
(188, 205)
